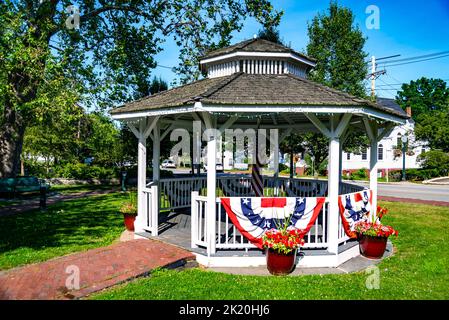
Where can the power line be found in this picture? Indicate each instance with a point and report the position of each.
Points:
(415, 61)
(393, 89)
(161, 66)
(417, 57)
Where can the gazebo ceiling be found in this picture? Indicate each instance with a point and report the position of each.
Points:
(260, 94)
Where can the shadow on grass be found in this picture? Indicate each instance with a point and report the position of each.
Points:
(65, 227)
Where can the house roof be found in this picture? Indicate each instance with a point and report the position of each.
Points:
(390, 104)
(252, 89)
(255, 45)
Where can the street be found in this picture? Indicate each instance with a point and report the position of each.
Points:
(396, 189)
(413, 191)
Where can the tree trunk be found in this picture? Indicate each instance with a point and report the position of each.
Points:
(12, 131)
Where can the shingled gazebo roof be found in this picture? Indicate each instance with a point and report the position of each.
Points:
(252, 89)
(254, 45)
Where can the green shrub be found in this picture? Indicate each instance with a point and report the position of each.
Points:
(283, 167)
(83, 171)
(359, 174)
(422, 174)
(435, 159)
(395, 175)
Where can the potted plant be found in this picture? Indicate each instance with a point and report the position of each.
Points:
(129, 211)
(281, 247)
(373, 235)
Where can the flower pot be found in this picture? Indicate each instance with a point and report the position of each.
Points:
(372, 247)
(129, 221)
(279, 263)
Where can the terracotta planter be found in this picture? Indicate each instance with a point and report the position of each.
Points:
(372, 247)
(129, 221)
(280, 264)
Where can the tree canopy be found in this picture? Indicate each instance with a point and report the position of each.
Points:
(424, 96)
(429, 102)
(337, 45)
(100, 52)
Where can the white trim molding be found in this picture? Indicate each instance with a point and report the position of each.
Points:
(242, 54)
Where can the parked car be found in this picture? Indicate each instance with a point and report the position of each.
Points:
(168, 164)
(218, 167)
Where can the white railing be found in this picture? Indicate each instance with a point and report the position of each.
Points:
(227, 235)
(342, 237)
(346, 187)
(151, 196)
(176, 193)
(199, 235)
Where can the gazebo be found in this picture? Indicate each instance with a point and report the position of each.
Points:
(261, 85)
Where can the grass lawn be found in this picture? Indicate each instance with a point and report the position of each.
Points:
(64, 228)
(75, 188)
(418, 270)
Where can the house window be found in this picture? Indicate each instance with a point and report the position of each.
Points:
(364, 154)
(380, 152)
(348, 156)
(423, 150)
(399, 141)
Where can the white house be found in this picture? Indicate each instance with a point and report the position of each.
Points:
(389, 151)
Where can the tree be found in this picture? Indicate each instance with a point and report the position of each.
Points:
(57, 136)
(101, 140)
(433, 128)
(429, 102)
(434, 159)
(146, 88)
(270, 34)
(100, 50)
(337, 45)
(424, 96)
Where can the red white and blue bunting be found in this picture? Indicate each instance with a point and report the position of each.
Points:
(354, 207)
(254, 215)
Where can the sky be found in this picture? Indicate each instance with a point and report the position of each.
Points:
(409, 28)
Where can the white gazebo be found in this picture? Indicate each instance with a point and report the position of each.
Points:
(253, 84)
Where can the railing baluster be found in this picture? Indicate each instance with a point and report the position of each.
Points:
(219, 222)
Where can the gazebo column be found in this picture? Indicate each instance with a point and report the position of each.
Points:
(333, 188)
(372, 131)
(156, 177)
(274, 142)
(145, 126)
(211, 136)
(139, 223)
(337, 128)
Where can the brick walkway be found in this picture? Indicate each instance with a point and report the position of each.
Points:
(98, 269)
(419, 201)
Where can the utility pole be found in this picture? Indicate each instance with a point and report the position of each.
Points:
(375, 74)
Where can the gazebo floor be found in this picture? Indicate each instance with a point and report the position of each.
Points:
(175, 228)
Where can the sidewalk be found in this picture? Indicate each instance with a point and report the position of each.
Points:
(98, 269)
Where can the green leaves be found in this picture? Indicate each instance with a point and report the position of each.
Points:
(424, 96)
(429, 102)
(338, 47)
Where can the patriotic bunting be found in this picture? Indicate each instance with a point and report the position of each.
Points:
(353, 208)
(254, 215)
